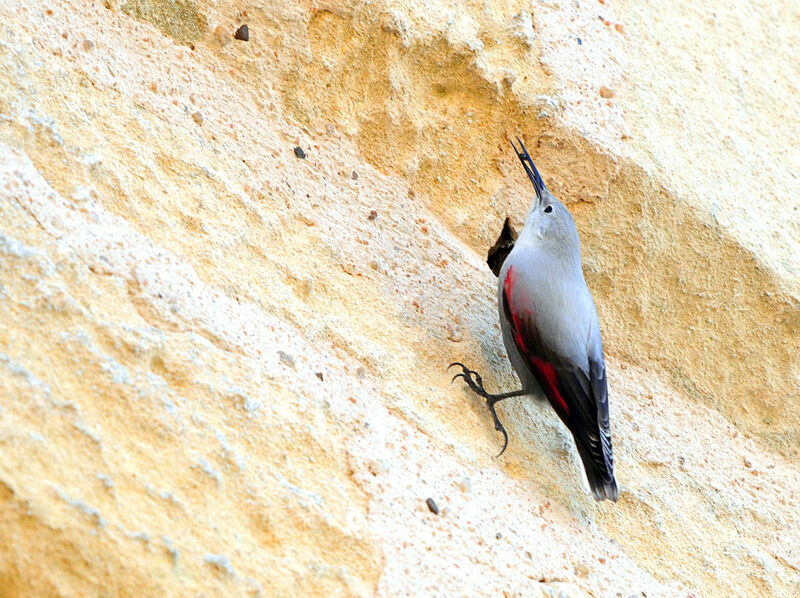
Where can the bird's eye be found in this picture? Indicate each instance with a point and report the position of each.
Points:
(548, 209)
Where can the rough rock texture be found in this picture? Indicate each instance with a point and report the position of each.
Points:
(222, 367)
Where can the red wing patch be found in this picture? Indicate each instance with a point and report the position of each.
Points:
(545, 373)
(508, 289)
(547, 378)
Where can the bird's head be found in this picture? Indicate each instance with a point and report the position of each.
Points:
(549, 223)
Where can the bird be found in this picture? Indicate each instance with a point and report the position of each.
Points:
(551, 332)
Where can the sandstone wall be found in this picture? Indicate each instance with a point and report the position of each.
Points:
(222, 367)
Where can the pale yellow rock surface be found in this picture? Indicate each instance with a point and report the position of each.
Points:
(219, 376)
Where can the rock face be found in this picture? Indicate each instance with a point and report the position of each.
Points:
(222, 367)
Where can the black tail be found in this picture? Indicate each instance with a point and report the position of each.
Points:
(600, 474)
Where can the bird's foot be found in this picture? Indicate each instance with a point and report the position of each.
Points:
(475, 383)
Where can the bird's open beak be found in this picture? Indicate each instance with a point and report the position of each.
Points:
(530, 168)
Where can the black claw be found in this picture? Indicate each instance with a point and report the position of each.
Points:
(505, 442)
(460, 375)
(467, 374)
(498, 426)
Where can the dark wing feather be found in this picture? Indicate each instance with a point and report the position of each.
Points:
(579, 398)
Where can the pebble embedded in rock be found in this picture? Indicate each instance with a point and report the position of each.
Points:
(373, 214)
(354, 176)
(298, 151)
(242, 33)
(606, 93)
(432, 506)
(320, 375)
(88, 44)
(286, 359)
(198, 118)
